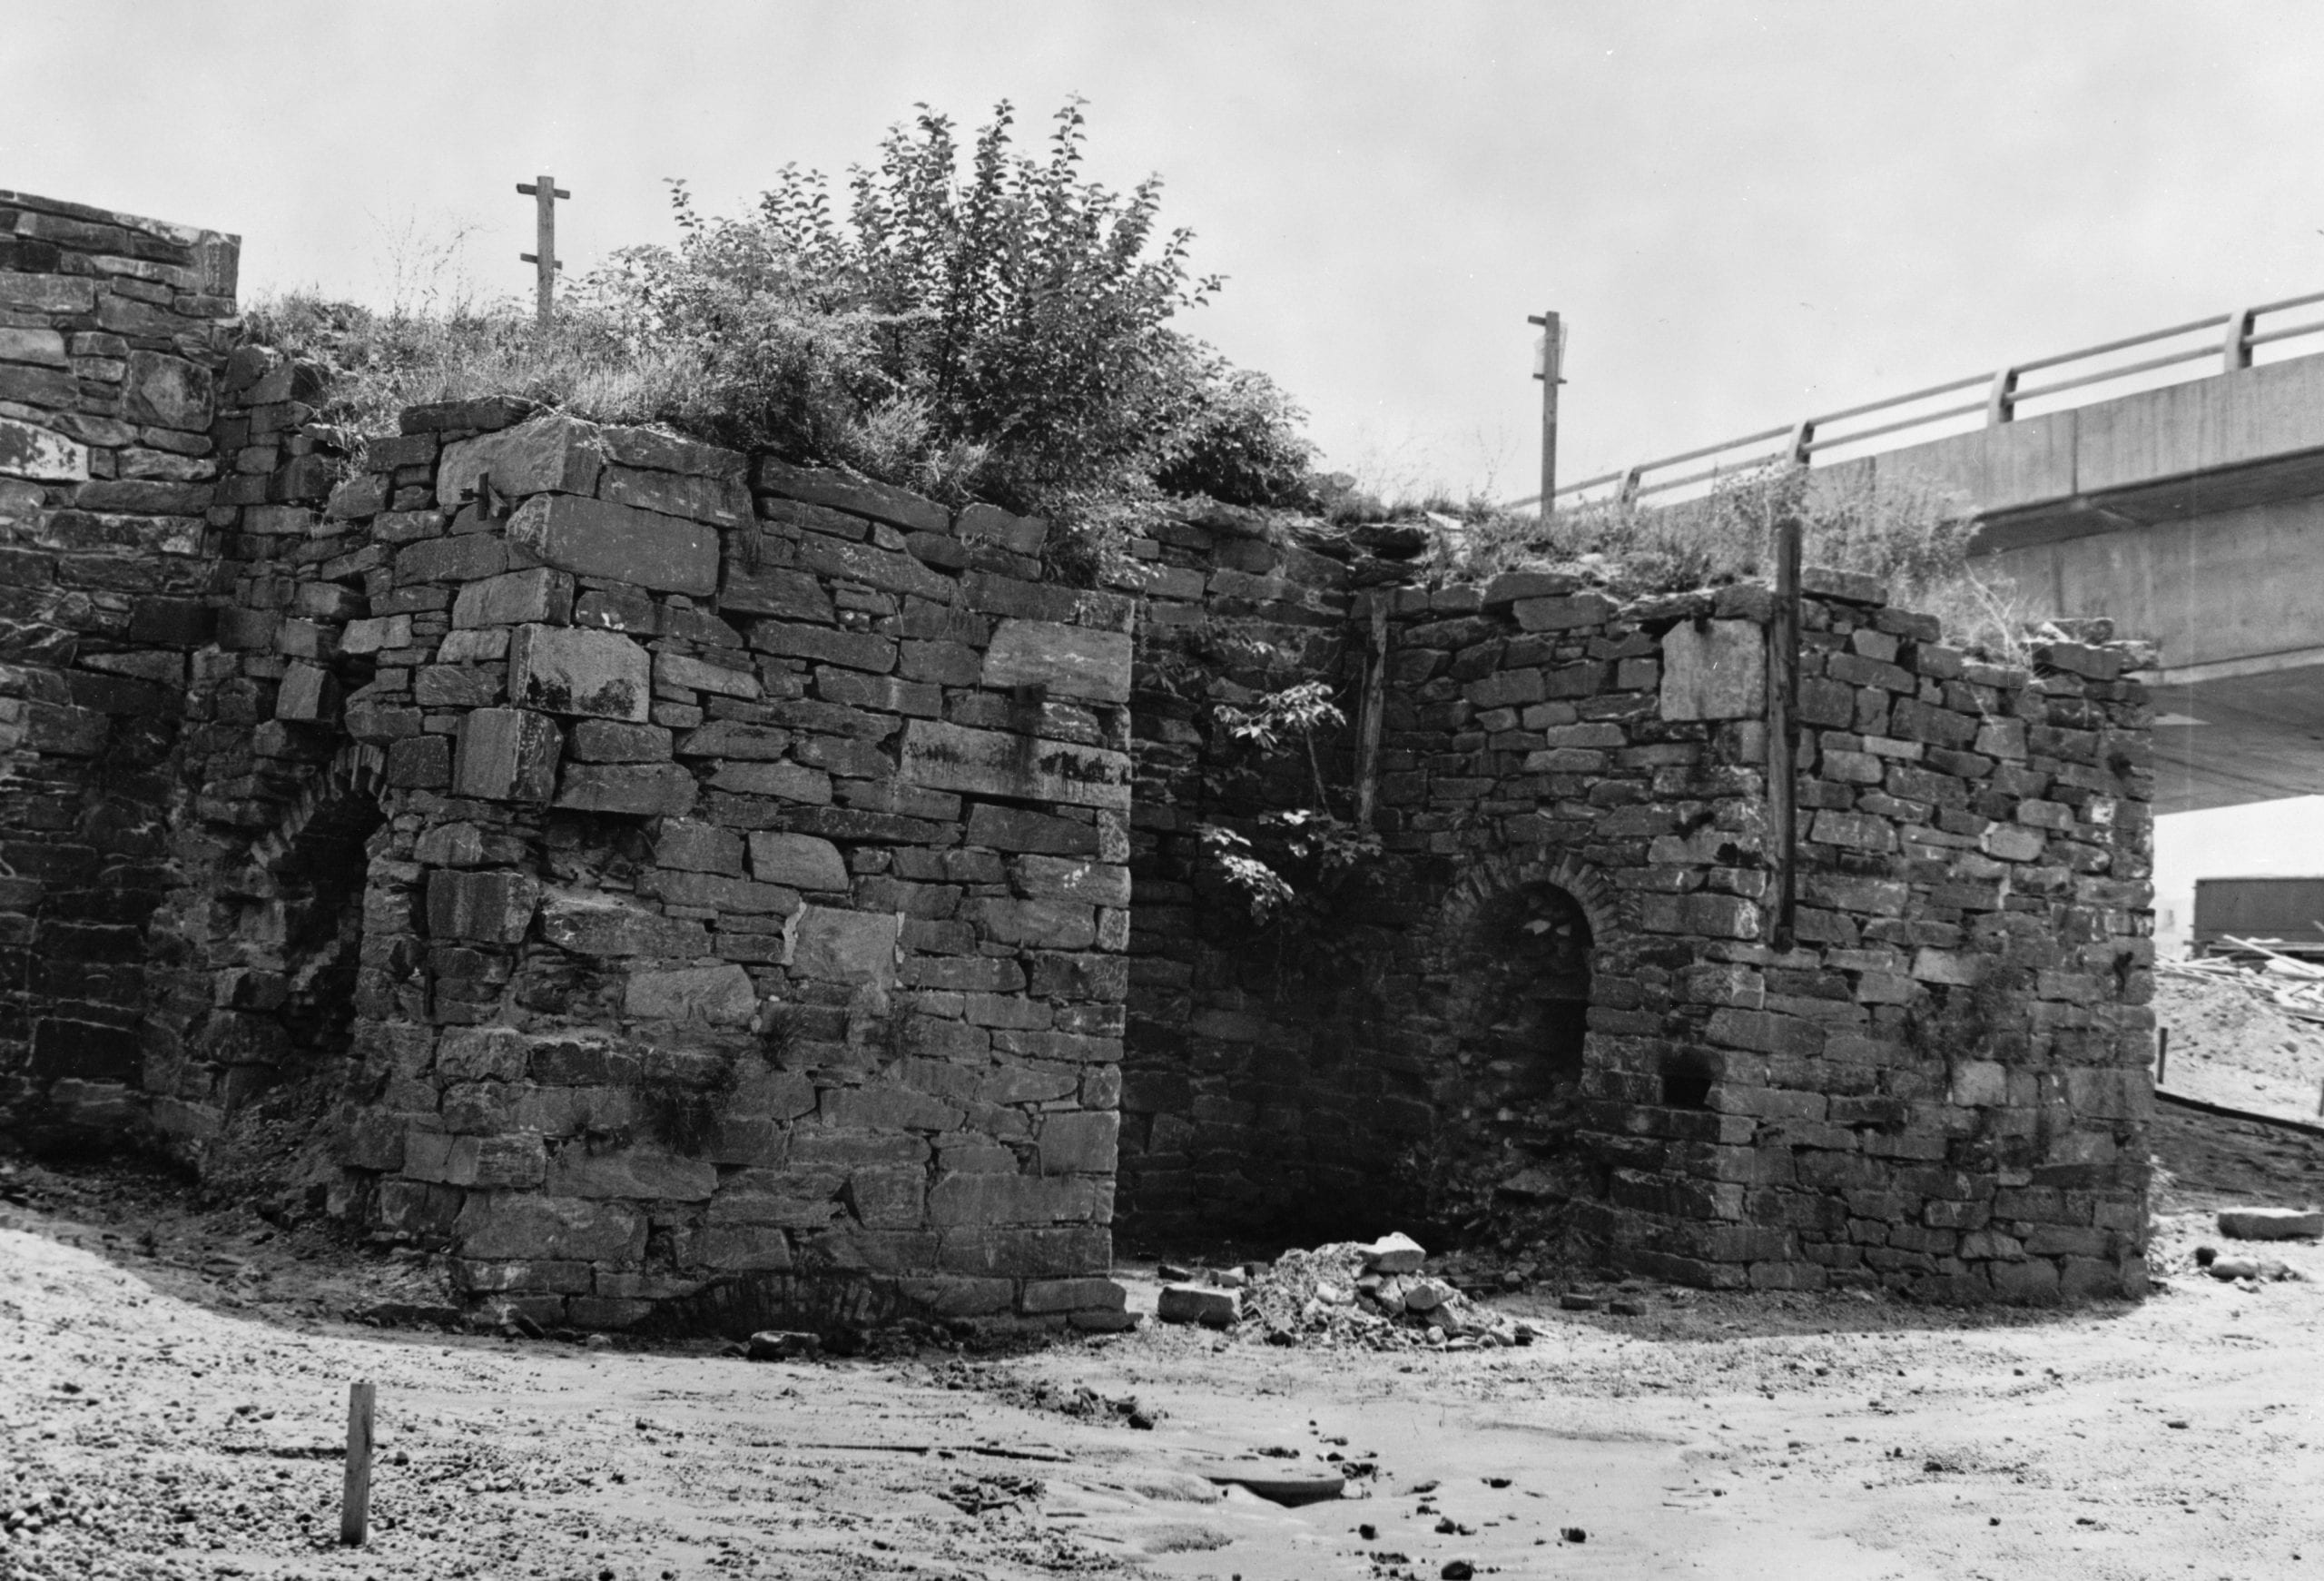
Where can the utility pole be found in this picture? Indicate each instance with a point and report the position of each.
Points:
(1549, 367)
(544, 192)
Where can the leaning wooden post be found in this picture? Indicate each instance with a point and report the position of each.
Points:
(1549, 368)
(355, 1502)
(1783, 711)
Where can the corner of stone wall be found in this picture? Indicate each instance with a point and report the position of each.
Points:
(112, 332)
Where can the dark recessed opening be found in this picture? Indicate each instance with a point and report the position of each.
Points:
(1682, 1091)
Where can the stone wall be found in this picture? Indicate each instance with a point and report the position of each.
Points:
(683, 886)
(113, 329)
(726, 862)
(1558, 997)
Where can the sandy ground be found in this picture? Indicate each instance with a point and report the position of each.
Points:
(2230, 1045)
(173, 1389)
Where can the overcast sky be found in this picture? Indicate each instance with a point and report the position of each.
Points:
(1744, 212)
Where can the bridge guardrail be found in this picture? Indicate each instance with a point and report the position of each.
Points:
(2002, 392)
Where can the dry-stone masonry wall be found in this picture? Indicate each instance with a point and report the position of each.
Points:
(683, 886)
(1560, 991)
(112, 332)
(741, 918)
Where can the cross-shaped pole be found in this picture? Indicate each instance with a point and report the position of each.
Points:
(1549, 368)
(544, 192)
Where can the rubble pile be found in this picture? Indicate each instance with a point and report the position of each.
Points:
(1376, 1295)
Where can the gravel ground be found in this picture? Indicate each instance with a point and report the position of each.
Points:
(171, 1406)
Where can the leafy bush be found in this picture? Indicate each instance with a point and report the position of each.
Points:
(1002, 333)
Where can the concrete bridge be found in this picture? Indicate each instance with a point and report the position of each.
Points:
(2191, 514)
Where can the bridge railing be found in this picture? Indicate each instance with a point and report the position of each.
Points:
(2001, 393)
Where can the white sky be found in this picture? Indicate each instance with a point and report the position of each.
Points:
(1747, 213)
(1744, 212)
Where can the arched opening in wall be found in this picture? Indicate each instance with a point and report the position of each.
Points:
(1529, 996)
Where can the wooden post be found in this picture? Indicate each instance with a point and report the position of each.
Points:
(1376, 688)
(2162, 1054)
(544, 192)
(1783, 710)
(1550, 373)
(355, 1501)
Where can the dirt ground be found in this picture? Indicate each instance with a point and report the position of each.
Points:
(2230, 1045)
(173, 1384)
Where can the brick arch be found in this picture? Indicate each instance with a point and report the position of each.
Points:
(1609, 909)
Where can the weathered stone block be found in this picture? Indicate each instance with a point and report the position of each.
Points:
(1064, 878)
(993, 762)
(539, 596)
(1066, 660)
(548, 453)
(833, 946)
(715, 995)
(800, 860)
(575, 670)
(167, 391)
(644, 789)
(1714, 669)
(493, 906)
(1198, 1304)
(1075, 1295)
(694, 847)
(675, 670)
(529, 1225)
(611, 741)
(1078, 1143)
(594, 923)
(597, 538)
(377, 633)
(507, 755)
(308, 695)
(632, 1171)
(748, 1248)
(41, 455)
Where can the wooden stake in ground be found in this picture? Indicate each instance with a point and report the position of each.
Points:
(543, 193)
(355, 1503)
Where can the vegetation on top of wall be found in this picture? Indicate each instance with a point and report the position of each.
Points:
(1912, 536)
(1004, 334)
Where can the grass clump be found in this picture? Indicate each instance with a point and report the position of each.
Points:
(1912, 536)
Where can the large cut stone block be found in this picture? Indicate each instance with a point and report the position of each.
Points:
(845, 946)
(28, 452)
(800, 860)
(533, 458)
(997, 763)
(1071, 661)
(527, 1225)
(539, 595)
(647, 789)
(593, 923)
(575, 670)
(506, 754)
(167, 391)
(1714, 669)
(597, 538)
(718, 995)
(493, 907)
